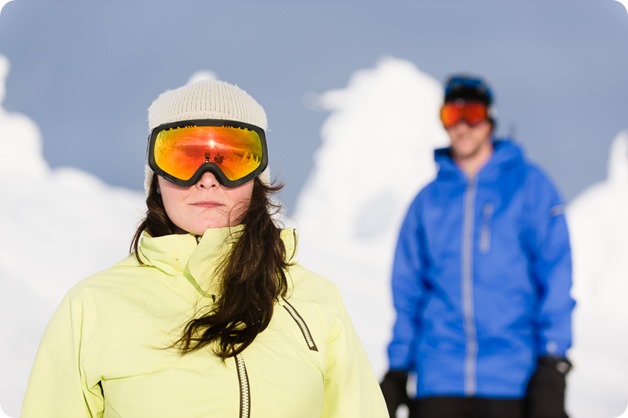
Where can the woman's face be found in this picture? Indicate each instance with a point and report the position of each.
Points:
(206, 204)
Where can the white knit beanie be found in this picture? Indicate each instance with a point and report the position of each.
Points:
(205, 99)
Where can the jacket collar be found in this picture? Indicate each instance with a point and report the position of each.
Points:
(505, 153)
(198, 257)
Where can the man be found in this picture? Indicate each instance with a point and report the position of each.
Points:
(481, 278)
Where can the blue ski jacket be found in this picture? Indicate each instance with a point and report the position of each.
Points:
(481, 279)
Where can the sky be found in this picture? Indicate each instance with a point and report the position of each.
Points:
(87, 71)
(62, 224)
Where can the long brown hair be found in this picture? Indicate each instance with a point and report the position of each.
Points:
(252, 275)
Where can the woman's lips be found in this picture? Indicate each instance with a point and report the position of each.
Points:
(208, 205)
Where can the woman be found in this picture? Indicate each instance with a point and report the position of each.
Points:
(211, 315)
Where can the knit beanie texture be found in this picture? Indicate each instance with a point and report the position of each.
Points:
(205, 99)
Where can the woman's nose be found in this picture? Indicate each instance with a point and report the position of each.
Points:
(207, 180)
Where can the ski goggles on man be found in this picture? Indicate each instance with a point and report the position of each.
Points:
(454, 112)
(182, 151)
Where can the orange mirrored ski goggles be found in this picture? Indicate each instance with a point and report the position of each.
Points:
(472, 113)
(182, 151)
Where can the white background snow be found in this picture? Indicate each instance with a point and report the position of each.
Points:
(58, 226)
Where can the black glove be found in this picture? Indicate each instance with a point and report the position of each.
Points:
(546, 389)
(394, 389)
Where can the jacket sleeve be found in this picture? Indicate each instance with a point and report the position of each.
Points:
(407, 290)
(351, 388)
(551, 269)
(58, 386)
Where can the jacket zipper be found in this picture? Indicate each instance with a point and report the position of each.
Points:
(485, 233)
(245, 393)
(309, 340)
(243, 378)
(467, 289)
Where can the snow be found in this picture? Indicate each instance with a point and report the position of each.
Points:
(599, 227)
(376, 152)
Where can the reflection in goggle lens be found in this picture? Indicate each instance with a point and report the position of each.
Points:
(234, 152)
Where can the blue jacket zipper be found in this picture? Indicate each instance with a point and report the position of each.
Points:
(485, 232)
(467, 289)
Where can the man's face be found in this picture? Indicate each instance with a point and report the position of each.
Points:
(470, 142)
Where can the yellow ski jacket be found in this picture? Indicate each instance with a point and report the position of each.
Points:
(104, 352)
